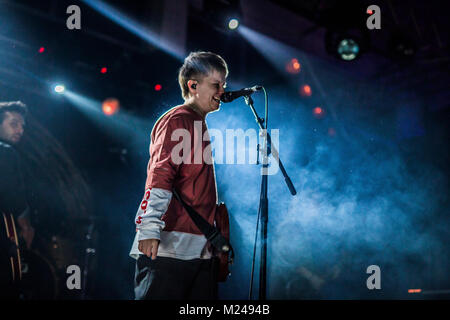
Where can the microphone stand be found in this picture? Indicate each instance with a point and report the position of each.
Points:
(88, 252)
(264, 201)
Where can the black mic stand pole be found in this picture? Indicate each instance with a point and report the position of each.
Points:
(264, 201)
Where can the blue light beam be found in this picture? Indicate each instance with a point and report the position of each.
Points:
(136, 28)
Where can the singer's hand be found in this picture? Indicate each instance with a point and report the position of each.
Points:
(149, 247)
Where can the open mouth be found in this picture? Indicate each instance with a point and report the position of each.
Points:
(216, 100)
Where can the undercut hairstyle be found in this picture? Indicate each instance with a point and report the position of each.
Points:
(197, 65)
(12, 106)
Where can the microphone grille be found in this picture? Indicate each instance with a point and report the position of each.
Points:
(226, 97)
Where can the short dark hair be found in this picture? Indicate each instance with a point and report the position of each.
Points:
(12, 106)
(199, 63)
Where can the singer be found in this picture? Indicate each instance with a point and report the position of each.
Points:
(173, 258)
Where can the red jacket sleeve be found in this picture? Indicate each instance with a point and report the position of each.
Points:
(166, 151)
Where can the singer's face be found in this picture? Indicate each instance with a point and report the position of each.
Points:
(209, 90)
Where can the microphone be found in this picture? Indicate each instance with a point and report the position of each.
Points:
(232, 95)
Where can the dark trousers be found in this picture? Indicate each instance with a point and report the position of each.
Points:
(175, 279)
(8, 289)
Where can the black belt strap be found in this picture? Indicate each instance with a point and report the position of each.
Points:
(211, 233)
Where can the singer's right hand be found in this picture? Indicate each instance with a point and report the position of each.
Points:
(149, 247)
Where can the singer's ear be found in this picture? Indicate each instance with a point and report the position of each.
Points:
(192, 84)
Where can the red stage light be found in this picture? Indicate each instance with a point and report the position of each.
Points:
(414, 290)
(293, 66)
(305, 90)
(158, 87)
(319, 112)
(110, 106)
(369, 11)
(104, 70)
(41, 49)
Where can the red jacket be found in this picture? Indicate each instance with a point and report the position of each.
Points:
(193, 178)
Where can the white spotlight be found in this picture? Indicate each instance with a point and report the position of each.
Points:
(233, 24)
(59, 88)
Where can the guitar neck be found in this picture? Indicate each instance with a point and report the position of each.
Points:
(12, 243)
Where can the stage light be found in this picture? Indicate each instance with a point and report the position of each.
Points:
(233, 24)
(414, 290)
(107, 109)
(305, 90)
(348, 49)
(293, 66)
(59, 88)
(110, 106)
(224, 16)
(158, 87)
(41, 49)
(347, 44)
(318, 112)
(104, 70)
